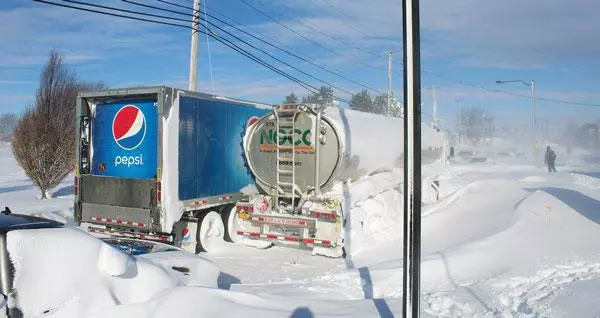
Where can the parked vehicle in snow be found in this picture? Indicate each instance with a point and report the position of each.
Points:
(159, 163)
(14, 222)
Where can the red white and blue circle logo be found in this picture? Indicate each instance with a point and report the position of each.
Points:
(251, 121)
(187, 234)
(129, 127)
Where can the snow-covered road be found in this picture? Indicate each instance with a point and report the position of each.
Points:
(502, 241)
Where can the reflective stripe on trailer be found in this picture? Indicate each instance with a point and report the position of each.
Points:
(117, 221)
(280, 221)
(244, 207)
(203, 202)
(323, 215)
(227, 197)
(131, 235)
(286, 238)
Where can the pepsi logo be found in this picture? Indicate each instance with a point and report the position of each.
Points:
(186, 233)
(251, 121)
(129, 127)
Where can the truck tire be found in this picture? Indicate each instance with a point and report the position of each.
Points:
(210, 228)
(228, 216)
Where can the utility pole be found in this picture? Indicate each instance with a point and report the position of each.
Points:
(435, 123)
(389, 93)
(535, 149)
(411, 270)
(193, 82)
(458, 117)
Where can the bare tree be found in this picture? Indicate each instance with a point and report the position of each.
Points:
(291, 99)
(44, 139)
(324, 96)
(362, 101)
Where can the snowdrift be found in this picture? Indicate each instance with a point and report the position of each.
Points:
(480, 231)
(69, 273)
(202, 302)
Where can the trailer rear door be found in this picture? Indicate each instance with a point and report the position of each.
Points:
(124, 139)
(122, 185)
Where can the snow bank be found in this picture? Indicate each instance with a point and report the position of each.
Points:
(19, 193)
(202, 302)
(483, 232)
(580, 297)
(586, 181)
(533, 179)
(375, 142)
(70, 273)
(545, 232)
(373, 207)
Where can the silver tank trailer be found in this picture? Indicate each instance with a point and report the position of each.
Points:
(352, 144)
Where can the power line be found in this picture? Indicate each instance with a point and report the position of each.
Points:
(335, 38)
(287, 51)
(424, 70)
(550, 100)
(302, 36)
(212, 82)
(245, 42)
(227, 43)
(340, 13)
(125, 10)
(238, 49)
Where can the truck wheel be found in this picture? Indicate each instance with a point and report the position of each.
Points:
(231, 223)
(210, 231)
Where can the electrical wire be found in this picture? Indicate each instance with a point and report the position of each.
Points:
(212, 82)
(304, 37)
(252, 46)
(227, 43)
(336, 73)
(330, 36)
(537, 98)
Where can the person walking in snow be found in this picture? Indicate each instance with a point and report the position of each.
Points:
(550, 159)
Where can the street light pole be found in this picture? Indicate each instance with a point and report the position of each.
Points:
(534, 128)
(535, 155)
(458, 118)
(411, 270)
(389, 93)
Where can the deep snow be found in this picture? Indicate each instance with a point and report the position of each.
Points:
(503, 240)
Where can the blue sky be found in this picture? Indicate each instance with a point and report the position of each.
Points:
(478, 42)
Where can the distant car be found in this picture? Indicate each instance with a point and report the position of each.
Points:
(15, 222)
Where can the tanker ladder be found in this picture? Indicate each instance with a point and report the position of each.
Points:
(285, 121)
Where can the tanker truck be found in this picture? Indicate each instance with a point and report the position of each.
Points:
(297, 153)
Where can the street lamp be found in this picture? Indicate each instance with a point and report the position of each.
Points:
(532, 86)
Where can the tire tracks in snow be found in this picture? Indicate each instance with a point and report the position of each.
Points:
(525, 296)
(531, 296)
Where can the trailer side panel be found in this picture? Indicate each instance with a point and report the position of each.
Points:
(211, 161)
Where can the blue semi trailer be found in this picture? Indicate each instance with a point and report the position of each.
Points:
(161, 163)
